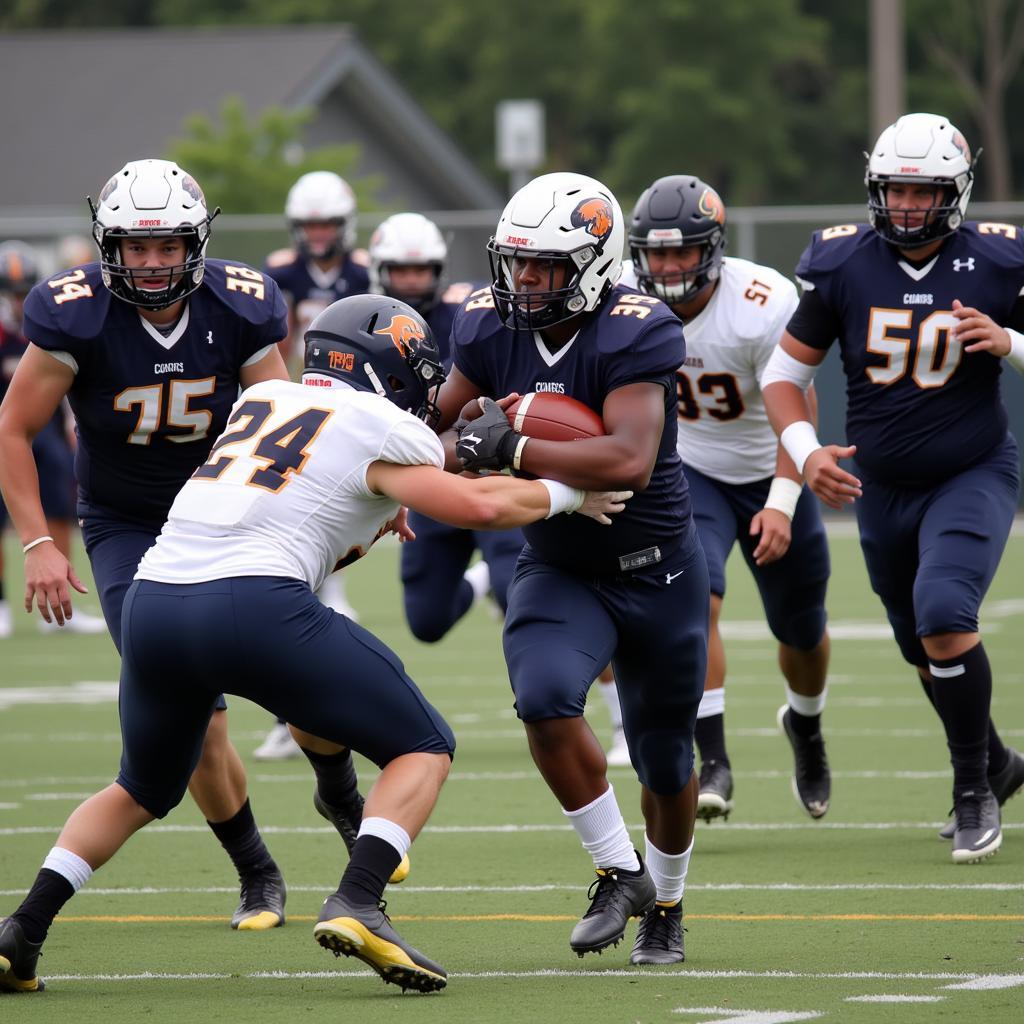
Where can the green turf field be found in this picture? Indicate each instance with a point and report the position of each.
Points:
(788, 919)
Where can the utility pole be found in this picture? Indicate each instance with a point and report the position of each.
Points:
(887, 42)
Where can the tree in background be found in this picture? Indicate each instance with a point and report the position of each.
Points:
(248, 166)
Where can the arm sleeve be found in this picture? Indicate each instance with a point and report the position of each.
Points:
(814, 323)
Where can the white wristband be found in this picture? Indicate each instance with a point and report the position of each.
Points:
(783, 496)
(1015, 357)
(520, 446)
(34, 543)
(563, 497)
(800, 439)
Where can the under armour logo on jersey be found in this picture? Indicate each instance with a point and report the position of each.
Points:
(967, 264)
(470, 441)
(209, 337)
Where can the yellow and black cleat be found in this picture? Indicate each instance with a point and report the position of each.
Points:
(18, 958)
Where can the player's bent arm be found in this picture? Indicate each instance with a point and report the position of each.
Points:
(35, 393)
(270, 367)
(634, 416)
(485, 503)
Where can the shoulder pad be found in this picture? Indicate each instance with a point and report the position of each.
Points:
(243, 289)
(755, 296)
(1003, 243)
(831, 247)
(476, 318)
(74, 303)
(281, 258)
(360, 257)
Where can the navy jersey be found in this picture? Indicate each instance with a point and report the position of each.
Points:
(919, 409)
(12, 348)
(310, 290)
(149, 407)
(628, 339)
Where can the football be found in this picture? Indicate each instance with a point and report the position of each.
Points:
(551, 417)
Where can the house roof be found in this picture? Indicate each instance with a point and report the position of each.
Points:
(82, 103)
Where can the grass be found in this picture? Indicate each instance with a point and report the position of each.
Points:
(784, 914)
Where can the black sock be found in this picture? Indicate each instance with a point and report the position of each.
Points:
(963, 700)
(804, 725)
(998, 755)
(1, 590)
(336, 782)
(372, 863)
(49, 892)
(243, 842)
(709, 733)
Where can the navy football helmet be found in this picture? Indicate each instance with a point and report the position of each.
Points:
(675, 212)
(379, 344)
(19, 269)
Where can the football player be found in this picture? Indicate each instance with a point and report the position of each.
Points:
(51, 448)
(248, 539)
(926, 306)
(150, 346)
(744, 486)
(408, 257)
(635, 595)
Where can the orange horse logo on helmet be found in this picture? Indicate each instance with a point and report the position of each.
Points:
(595, 215)
(712, 206)
(403, 331)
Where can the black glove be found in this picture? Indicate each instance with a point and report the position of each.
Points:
(488, 442)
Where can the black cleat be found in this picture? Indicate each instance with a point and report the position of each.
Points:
(365, 932)
(978, 833)
(660, 937)
(615, 897)
(347, 823)
(812, 781)
(18, 958)
(715, 800)
(262, 902)
(1004, 784)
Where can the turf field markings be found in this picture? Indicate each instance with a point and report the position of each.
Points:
(730, 1016)
(894, 999)
(87, 692)
(513, 829)
(553, 918)
(990, 981)
(444, 890)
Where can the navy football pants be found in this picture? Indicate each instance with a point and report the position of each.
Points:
(793, 588)
(267, 639)
(931, 553)
(433, 590)
(562, 628)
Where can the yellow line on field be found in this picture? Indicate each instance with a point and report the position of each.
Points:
(545, 918)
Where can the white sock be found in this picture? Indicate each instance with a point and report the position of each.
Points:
(68, 865)
(668, 870)
(478, 576)
(387, 830)
(808, 706)
(603, 833)
(610, 692)
(712, 702)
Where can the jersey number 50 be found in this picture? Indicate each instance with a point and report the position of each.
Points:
(934, 362)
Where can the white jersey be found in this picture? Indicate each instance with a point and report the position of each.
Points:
(723, 427)
(284, 490)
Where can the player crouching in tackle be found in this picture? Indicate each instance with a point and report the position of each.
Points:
(304, 479)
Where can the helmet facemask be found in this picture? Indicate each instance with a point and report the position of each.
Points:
(182, 278)
(327, 250)
(937, 221)
(679, 287)
(535, 311)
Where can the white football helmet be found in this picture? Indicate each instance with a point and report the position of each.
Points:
(573, 221)
(151, 199)
(322, 196)
(923, 149)
(410, 240)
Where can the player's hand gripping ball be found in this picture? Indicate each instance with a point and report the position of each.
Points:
(551, 417)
